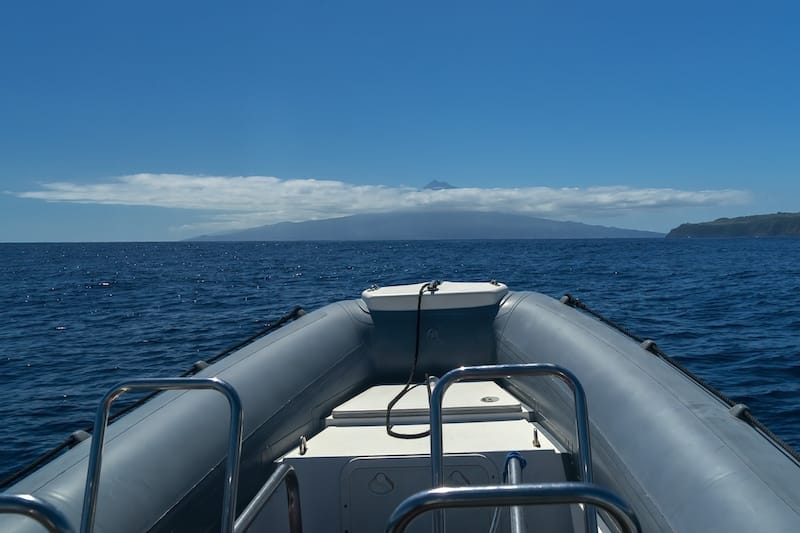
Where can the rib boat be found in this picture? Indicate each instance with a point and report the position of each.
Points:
(438, 406)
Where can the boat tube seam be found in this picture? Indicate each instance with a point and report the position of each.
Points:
(662, 357)
(72, 441)
(515, 350)
(653, 348)
(723, 444)
(620, 466)
(282, 410)
(668, 391)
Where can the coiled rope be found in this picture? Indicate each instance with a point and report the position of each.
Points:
(432, 286)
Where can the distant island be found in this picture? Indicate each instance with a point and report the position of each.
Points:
(775, 225)
(427, 225)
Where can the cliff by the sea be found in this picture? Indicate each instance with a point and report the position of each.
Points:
(774, 225)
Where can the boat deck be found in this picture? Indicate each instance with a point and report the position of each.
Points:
(353, 474)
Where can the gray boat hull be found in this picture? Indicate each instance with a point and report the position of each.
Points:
(666, 445)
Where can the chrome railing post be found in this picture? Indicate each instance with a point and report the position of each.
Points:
(283, 472)
(507, 495)
(517, 513)
(486, 372)
(234, 441)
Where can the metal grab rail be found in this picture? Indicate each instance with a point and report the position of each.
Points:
(516, 513)
(234, 441)
(507, 495)
(37, 509)
(485, 372)
(283, 472)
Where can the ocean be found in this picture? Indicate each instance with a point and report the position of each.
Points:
(77, 318)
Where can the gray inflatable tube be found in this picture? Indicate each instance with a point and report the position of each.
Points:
(163, 463)
(666, 445)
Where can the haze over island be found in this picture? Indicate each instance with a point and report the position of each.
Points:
(466, 224)
(427, 224)
(469, 224)
(166, 121)
(221, 205)
(231, 208)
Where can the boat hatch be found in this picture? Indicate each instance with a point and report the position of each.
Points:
(469, 402)
(434, 296)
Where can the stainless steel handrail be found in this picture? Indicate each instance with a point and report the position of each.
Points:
(485, 372)
(283, 472)
(234, 441)
(37, 509)
(507, 495)
(516, 513)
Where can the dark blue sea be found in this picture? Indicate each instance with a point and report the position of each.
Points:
(77, 318)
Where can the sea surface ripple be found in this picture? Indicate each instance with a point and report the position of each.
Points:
(77, 318)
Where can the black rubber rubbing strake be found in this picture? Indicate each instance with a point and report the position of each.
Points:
(742, 413)
(78, 436)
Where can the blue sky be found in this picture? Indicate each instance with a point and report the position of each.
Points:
(163, 120)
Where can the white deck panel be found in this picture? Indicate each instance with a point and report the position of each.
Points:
(353, 474)
(467, 437)
(461, 398)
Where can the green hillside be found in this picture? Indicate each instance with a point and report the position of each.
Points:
(775, 225)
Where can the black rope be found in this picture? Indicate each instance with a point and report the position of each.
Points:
(74, 438)
(433, 287)
(652, 347)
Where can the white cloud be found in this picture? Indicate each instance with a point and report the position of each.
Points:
(250, 201)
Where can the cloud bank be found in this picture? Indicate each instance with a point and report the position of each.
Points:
(249, 201)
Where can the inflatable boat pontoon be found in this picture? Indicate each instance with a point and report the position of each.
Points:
(457, 407)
